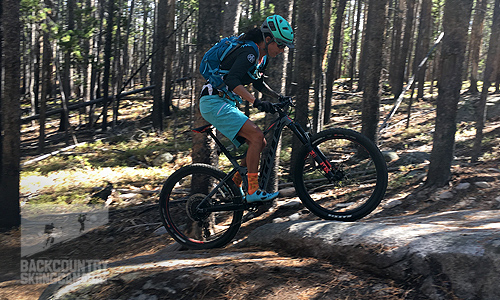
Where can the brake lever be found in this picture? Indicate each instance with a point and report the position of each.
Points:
(285, 99)
(289, 100)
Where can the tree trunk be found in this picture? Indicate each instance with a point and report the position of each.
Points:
(35, 77)
(334, 57)
(159, 62)
(144, 70)
(117, 77)
(169, 58)
(10, 113)
(276, 72)
(290, 86)
(1, 83)
(488, 72)
(209, 16)
(423, 42)
(363, 57)
(497, 77)
(96, 49)
(232, 11)
(327, 17)
(397, 33)
(455, 24)
(401, 64)
(126, 58)
(373, 46)
(476, 38)
(107, 65)
(305, 46)
(354, 46)
(319, 111)
(87, 68)
(66, 68)
(46, 79)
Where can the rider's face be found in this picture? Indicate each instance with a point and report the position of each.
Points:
(273, 49)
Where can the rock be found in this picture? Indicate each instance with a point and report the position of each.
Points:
(160, 231)
(417, 173)
(482, 184)
(421, 177)
(462, 186)
(288, 192)
(130, 196)
(141, 296)
(438, 250)
(109, 239)
(294, 217)
(392, 203)
(445, 195)
(390, 155)
(413, 157)
(162, 159)
(497, 198)
(452, 254)
(289, 203)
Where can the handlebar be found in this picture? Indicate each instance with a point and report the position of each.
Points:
(284, 103)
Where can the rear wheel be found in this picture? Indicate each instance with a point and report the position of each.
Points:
(182, 199)
(360, 171)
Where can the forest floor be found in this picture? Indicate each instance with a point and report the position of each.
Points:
(125, 157)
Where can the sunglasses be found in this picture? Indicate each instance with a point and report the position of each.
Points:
(280, 46)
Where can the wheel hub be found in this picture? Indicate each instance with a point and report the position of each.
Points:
(192, 209)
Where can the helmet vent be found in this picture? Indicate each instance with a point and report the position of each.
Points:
(272, 26)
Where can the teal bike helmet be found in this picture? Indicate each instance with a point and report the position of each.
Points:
(280, 30)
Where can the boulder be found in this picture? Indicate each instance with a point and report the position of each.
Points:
(451, 253)
(162, 159)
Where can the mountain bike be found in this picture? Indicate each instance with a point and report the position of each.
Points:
(339, 174)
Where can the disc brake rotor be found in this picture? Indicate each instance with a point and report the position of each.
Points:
(192, 207)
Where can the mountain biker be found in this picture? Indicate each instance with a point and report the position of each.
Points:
(220, 109)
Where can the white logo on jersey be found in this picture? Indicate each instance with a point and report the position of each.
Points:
(251, 58)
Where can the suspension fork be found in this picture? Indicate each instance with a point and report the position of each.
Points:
(323, 163)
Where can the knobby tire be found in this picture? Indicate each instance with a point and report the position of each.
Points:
(183, 191)
(361, 169)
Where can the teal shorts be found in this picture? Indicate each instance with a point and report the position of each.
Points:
(223, 115)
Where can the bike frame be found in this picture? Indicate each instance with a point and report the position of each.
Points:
(268, 160)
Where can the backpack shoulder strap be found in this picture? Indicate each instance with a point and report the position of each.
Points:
(238, 44)
(254, 45)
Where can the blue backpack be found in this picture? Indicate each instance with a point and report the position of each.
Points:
(210, 64)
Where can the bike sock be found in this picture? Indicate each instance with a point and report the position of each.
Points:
(253, 182)
(237, 179)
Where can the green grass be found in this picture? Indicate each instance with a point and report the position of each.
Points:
(70, 177)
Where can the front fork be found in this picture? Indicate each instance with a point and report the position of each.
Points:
(332, 171)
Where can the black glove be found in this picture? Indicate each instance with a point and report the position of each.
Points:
(265, 106)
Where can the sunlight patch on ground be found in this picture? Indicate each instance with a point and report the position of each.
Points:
(89, 178)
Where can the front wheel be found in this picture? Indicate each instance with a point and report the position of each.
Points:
(182, 196)
(360, 176)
